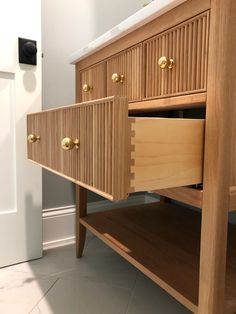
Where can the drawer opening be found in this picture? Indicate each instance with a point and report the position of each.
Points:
(191, 113)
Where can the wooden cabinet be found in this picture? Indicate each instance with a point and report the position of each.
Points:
(92, 82)
(97, 145)
(124, 74)
(179, 60)
(176, 60)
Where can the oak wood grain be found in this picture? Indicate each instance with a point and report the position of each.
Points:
(129, 64)
(187, 45)
(95, 77)
(163, 241)
(221, 97)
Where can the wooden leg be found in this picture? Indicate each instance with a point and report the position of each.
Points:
(220, 119)
(81, 211)
(213, 257)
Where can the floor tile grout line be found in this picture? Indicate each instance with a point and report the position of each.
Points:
(132, 292)
(36, 275)
(43, 296)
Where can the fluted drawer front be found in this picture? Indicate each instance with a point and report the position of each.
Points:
(187, 46)
(88, 143)
(38, 125)
(92, 82)
(103, 145)
(128, 68)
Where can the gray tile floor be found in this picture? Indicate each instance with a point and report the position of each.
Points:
(99, 283)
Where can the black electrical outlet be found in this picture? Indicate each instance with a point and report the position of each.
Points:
(27, 49)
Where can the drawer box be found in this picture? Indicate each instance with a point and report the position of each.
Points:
(124, 74)
(93, 82)
(176, 60)
(113, 154)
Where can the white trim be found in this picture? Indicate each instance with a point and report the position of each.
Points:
(59, 222)
(58, 243)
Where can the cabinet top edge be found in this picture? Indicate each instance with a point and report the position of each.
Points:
(138, 19)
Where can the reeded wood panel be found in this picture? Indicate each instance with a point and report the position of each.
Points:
(95, 78)
(70, 127)
(129, 64)
(104, 147)
(102, 161)
(55, 136)
(39, 125)
(187, 44)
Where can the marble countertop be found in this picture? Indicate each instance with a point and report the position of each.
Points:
(141, 17)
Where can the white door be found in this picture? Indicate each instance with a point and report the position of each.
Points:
(20, 93)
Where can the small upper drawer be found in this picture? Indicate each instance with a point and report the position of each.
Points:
(124, 74)
(176, 60)
(95, 144)
(93, 82)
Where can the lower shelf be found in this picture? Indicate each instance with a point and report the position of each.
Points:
(163, 241)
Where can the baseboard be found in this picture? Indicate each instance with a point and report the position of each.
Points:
(59, 223)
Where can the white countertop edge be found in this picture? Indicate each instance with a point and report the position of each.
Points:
(141, 17)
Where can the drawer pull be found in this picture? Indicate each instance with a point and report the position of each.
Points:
(87, 88)
(32, 138)
(68, 143)
(166, 63)
(117, 78)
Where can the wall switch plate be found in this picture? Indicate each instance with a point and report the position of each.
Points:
(27, 49)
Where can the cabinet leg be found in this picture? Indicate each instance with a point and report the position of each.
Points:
(81, 211)
(213, 259)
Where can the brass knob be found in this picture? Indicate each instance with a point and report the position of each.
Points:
(68, 143)
(87, 88)
(166, 63)
(117, 78)
(32, 138)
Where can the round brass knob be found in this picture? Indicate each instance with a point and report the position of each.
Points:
(32, 138)
(166, 63)
(87, 88)
(68, 143)
(117, 78)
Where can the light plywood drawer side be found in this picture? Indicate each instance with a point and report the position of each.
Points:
(187, 45)
(116, 154)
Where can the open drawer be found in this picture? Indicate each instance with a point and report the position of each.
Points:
(96, 145)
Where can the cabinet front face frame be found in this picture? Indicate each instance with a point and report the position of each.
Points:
(94, 80)
(129, 65)
(187, 45)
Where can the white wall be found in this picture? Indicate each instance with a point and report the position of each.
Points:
(66, 27)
